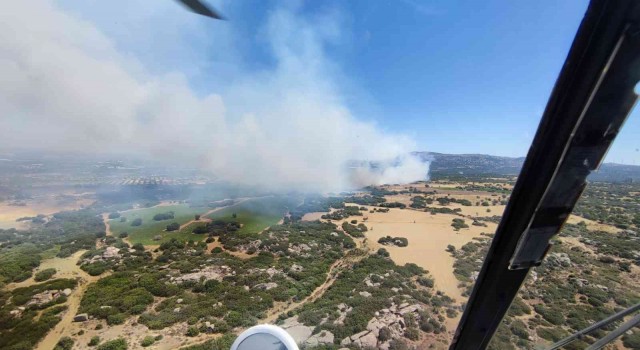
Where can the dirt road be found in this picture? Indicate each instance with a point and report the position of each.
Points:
(66, 268)
(334, 271)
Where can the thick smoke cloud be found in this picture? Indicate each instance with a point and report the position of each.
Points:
(65, 86)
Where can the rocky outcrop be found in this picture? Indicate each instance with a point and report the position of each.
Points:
(45, 297)
(81, 318)
(324, 337)
(207, 273)
(391, 319)
(558, 260)
(265, 286)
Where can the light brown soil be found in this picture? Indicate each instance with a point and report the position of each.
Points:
(593, 225)
(46, 205)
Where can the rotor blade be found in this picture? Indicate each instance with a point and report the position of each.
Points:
(200, 8)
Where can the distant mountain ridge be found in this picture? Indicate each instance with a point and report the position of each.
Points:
(483, 164)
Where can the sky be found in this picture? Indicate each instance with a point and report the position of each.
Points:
(286, 87)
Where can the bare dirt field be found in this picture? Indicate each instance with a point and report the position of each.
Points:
(428, 237)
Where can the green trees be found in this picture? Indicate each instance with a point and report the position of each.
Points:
(174, 226)
(114, 215)
(164, 216)
(136, 222)
(355, 231)
(122, 293)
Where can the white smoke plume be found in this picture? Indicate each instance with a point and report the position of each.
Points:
(65, 86)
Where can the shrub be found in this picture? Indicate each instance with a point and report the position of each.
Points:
(551, 334)
(44, 275)
(115, 344)
(383, 252)
(65, 343)
(114, 215)
(114, 319)
(458, 224)
(384, 334)
(519, 329)
(136, 222)
(397, 344)
(607, 259)
(425, 282)
(632, 341)
(192, 331)
(95, 340)
(148, 341)
(123, 235)
(412, 333)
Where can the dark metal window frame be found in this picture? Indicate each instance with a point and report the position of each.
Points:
(589, 104)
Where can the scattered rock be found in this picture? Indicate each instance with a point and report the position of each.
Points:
(80, 318)
(208, 273)
(44, 297)
(558, 260)
(265, 286)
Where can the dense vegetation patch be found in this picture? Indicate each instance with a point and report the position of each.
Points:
(397, 241)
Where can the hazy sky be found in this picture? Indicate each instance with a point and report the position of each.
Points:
(444, 76)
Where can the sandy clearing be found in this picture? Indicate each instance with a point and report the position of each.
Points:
(428, 237)
(46, 205)
(592, 225)
(477, 210)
